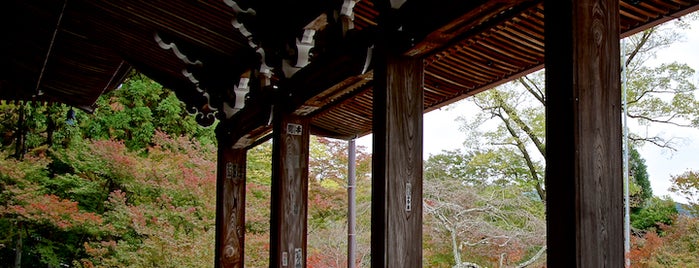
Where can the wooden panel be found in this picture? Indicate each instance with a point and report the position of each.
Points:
(396, 233)
(230, 206)
(289, 190)
(583, 130)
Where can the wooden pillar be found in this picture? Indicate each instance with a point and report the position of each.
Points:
(230, 204)
(289, 191)
(583, 134)
(396, 219)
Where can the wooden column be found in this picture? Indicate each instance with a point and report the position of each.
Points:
(289, 191)
(230, 204)
(583, 134)
(396, 219)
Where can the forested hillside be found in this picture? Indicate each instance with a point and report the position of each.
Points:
(133, 184)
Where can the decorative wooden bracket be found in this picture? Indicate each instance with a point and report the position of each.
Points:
(203, 115)
(396, 4)
(347, 16)
(303, 53)
(265, 71)
(178, 53)
(241, 91)
(304, 46)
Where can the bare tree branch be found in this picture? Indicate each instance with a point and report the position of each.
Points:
(533, 258)
(532, 87)
(520, 123)
(663, 121)
(527, 158)
(644, 38)
(657, 141)
(467, 265)
(644, 93)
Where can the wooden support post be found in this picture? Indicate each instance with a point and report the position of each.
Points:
(396, 219)
(289, 191)
(583, 134)
(230, 204)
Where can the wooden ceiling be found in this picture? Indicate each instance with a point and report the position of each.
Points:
(72, 51)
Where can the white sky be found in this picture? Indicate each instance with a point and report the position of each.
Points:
(662, 163)
(441, 130)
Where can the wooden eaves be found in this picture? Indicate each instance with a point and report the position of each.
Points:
(74, 50)
(344, 69)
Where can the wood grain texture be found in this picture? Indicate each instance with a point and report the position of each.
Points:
(397, 163)
(289, 191)
(230, 207)
(583, 130)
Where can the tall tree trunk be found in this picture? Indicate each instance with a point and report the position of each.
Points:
(20, 134)
(18, 248)
(455, 246)
(50, 125)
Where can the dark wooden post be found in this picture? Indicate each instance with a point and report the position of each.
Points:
(289, 191)
(583, 134)
(396, 219)
(230, 204)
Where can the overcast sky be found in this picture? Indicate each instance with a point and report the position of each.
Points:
(662, 163)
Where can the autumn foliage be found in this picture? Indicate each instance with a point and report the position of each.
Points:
(112, 192)
(671, 246)
(103, 205)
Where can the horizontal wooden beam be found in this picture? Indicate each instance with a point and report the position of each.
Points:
(314, 86)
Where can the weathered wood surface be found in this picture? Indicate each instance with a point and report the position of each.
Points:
(583, 130)
(230, 206)
(289, 191)
(467, 21)
(396, 232)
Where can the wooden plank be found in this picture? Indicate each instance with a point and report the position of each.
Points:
(467, 21)
(583, 132)
(230, 206)
(289, 190)
(396, 231)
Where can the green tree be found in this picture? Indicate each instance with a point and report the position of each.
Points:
(257, 205)
(136, 110)
(510, 125)
(28, 126)
(505, 141)
(327, 203)
(98, 203)
(640, 190)
(40, 227)
(327, 207)
(656, 212)
(131, 114)
(687, 185)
